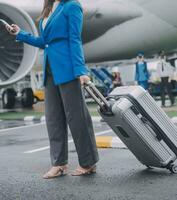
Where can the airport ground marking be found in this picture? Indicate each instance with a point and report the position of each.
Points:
(69, 141)
(3, 131)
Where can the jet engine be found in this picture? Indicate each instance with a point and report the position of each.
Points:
(16, 58)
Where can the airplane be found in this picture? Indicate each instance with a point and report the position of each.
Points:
(112, 30)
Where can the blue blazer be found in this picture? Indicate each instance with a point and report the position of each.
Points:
(61, 41)
(141, 74)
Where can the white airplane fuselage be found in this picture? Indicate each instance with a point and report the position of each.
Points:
(117, 29)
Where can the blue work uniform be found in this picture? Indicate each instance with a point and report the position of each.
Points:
(142, 75)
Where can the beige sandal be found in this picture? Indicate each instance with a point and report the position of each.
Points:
(84, 171)
(55, 172)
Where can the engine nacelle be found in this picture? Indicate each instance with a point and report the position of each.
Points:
(16, 58)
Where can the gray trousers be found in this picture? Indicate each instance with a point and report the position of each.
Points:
(65, 105)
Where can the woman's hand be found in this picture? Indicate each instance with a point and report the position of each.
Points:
(14, 31)
(84, 79)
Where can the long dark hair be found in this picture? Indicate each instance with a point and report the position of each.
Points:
(48, 4)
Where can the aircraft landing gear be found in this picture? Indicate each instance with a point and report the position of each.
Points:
(8, 98)
(27, 98)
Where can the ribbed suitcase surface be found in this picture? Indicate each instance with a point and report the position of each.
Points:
(139, 137)
(140, 123)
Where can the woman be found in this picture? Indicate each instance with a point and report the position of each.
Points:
(64, 70)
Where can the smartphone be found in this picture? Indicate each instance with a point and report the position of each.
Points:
(6, 24)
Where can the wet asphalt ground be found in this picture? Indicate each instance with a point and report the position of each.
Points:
(24, 157)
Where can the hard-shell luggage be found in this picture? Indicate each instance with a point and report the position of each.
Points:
(140, 123)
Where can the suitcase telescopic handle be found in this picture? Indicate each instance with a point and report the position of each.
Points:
(96, 95)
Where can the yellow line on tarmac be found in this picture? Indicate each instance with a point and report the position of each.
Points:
(104, 141)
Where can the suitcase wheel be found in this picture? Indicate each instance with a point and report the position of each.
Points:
(149, 167)
(173, 168)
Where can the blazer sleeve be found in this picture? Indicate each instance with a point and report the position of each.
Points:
(75, 19)
(30, 39)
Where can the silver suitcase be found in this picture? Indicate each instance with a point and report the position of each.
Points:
(140, 123)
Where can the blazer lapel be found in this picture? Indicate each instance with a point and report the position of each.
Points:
(56, 11)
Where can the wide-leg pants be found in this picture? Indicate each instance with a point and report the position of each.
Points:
(65, 105)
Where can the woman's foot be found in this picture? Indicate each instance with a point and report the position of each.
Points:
(56, 171)
(80, 171)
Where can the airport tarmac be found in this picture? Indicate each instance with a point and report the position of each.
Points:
(24, 157)
(6, 124)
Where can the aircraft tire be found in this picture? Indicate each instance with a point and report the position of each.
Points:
(8, 98)
(27, 99)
